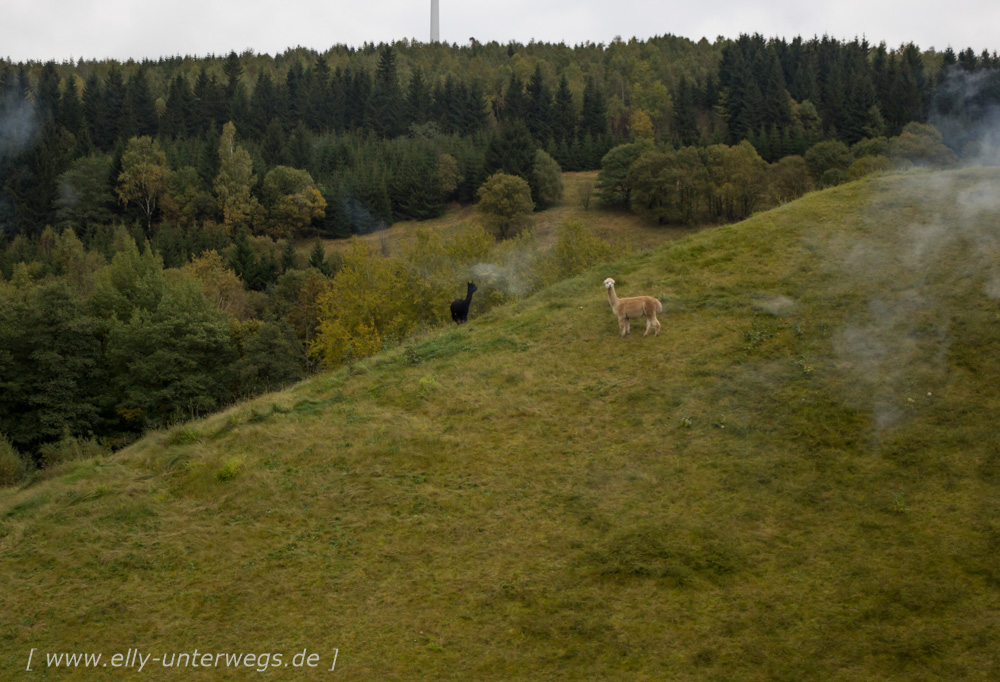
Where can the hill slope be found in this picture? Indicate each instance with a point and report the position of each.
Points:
(799, 478)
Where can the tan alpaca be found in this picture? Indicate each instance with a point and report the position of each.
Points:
(627, 308)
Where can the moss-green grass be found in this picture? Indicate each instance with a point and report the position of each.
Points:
(621, 228)
(798, 479)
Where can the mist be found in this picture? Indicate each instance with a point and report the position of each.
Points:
(966, 112)
(895, 348)
(18, 125)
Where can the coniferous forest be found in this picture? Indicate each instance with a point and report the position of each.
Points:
(149, 210)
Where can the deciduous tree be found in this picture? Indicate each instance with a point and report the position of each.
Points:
(143, 177)
(505, 205)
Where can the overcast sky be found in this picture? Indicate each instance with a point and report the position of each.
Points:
(62, 29)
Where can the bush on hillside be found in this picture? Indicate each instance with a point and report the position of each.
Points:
(868, 165)
(13, 466)
(68, 449)
(505, 205)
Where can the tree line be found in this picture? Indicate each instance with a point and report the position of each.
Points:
(343, 115)
(722, 183)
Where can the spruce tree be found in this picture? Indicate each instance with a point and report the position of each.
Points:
(594, 117)
(70, 114)
(47, 94)
(115, 107)
(175, 122)
(142, 105)
(94, 111)
(563, 114)
(418, 98)
(515, 106)
(320, 113)
(384, 109)
(538, 111)
(511, 150)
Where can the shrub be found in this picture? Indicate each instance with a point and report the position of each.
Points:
(69, 448)
(832, 177)
(790, 178)
(870, 146)
(576, 249)
(546, 180)
(505, 205)
(229, 469)
(13, 467)
(867, 165)
(921, 145)
(613, 182)
(828, 155)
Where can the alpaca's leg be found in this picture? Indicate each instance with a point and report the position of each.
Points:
(656, 326)
(623, 326)
(649, 325)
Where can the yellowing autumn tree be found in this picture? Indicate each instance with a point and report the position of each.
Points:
(234, 182)
(642, 125)
(143, 177)
(292, 201)
(222, 286)
(371, 303)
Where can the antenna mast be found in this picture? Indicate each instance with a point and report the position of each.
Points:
(435, 30)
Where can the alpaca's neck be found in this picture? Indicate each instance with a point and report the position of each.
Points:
(468, 296)
(612, 297)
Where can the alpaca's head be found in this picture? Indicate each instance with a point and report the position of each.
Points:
(472, 287)
(608, 283)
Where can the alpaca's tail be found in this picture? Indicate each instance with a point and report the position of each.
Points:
(659, 306)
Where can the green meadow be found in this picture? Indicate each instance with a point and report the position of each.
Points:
(798, 479)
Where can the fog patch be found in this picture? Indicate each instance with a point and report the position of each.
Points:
(18, 125)
(778, 306)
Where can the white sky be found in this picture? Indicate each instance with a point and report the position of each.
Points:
(63, 29)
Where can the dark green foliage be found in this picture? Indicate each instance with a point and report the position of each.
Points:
(85, 198)
(830, 155)
(266, 105)
(118, 122)
(173, 360)
(418, 98)
(142, 108)
(317, 258)
(783, 96)
(613, 183)
(538, 107)
(594, 121)
(95, 112)
(178, 119)
(563, 114)
(546, 180)
(257, 271)
(52, 370)
(70, 114)
(271, 358)
(511, 151)
(47, 94)
(686, 113)
(384, 111)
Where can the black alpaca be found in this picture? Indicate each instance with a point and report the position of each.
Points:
(460, 306)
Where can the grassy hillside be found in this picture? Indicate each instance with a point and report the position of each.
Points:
(798, 479)
(618, 227)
